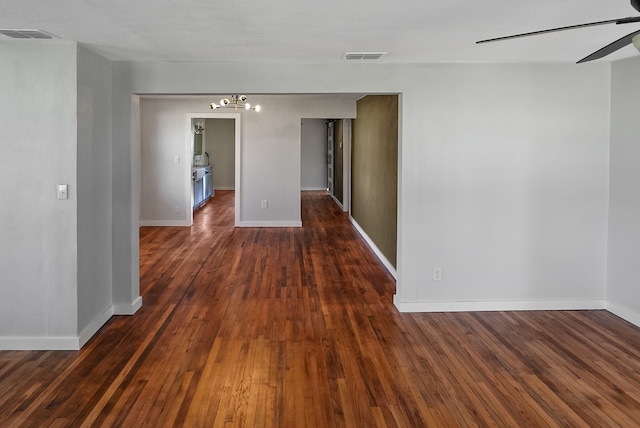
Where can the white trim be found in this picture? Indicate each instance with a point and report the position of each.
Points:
(387, 264)
(68, 343)
(625, 313)
(127, 308)
(269, 224)
(399, 203)
(346, 165)
(164, 223)
(313, 189)
(95, 325)
(224, 188)
(337, 201)
(506, 305)
(61, 343)
(238, 167)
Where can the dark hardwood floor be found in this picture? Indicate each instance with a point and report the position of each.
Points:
(295, 327)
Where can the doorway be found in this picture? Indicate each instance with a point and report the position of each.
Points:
(217, 122)
(324, 158)
(339, 149)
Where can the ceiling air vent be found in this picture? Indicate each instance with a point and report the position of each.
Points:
(364, 55)
(26, 34)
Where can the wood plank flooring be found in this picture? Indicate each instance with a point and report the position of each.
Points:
(295, 327)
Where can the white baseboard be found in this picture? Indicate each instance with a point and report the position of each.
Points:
(68, 343)
(520, 305)
(127, 308)
(269, 224)
(625, 313)
(179, 223)
(387, 264)
(337, 201)
(224, 188)
(57, 343)
(53, 343)
(93, 328)
(507, 305)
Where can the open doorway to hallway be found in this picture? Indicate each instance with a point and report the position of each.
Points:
(217, 156)
(213, 163)
(324, 155)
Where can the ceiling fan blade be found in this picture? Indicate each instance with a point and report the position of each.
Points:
(610, 48)
(570, 27)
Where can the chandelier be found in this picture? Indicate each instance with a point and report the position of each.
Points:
(235, 102)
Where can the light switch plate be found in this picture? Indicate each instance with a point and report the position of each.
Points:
(63, 192)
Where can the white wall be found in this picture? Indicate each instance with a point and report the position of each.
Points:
(163, 180)
(623, 292)
(313, 154)
(94, 191)
(38, 233)
(504, 170)
(504, 187)
(270, 156)
(270, 166)
(220, 144)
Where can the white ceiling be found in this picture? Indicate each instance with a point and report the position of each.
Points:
(322, 31)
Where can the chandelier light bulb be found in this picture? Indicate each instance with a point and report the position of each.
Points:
(247, 106)
(257, 108)
(224, 101)
(242, 98)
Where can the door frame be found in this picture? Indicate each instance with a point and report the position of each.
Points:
(331, 137)
(346, 165)
(188, 150)
(345, 205)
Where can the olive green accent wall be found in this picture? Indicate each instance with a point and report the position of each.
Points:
(374, 175)
(338, 166)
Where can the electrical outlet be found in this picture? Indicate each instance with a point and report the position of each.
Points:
(437, 274)
(264, 204)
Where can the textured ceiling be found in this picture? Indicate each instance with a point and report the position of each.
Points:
(322, 31)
